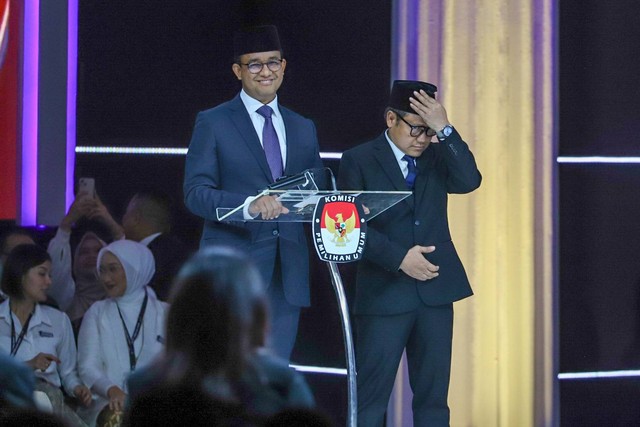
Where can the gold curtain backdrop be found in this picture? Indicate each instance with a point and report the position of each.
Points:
(492, 61)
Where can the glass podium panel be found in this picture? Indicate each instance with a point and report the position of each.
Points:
(301, 203)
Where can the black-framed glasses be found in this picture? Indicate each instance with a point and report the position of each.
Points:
(256, 67)
(416, 131)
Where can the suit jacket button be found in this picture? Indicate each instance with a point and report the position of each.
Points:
(274, 232)
(417, 222)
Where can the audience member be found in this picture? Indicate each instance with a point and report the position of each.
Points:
(21, 417)
(17, 383)
(101, 215)
(38, 335)
(183, 404)
(216, 322)
(10, 239)
(148, 221)
(87, 284)
(124, 331)
(75, 283)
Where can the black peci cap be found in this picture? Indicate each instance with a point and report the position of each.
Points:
(263, 38)
(403, 89)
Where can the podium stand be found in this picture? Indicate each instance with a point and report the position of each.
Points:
(301, 204)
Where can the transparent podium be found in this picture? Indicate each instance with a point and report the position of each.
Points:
(301, 197)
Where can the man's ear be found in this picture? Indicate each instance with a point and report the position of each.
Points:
(391, 118)
(237, 71)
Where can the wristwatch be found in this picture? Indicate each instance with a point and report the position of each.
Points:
(444, 133)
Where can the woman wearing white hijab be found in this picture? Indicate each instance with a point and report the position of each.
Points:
(124, 331)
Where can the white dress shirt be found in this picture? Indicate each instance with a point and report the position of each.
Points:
(404, 166)
(252, 105)
(258, 120)
(49, 332)
(103, 354)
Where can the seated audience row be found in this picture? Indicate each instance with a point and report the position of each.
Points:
(39, 335)
(147, 220)
(214, 336)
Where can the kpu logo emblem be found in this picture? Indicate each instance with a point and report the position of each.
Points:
(339, 228)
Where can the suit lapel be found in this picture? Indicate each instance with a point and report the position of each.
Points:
(425, 164)
(387, 160)
(243, 124)
(292, 132)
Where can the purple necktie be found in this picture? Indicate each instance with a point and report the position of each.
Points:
(411, 176)
(270, 142)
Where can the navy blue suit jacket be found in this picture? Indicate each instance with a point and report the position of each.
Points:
(225, 164)
(381, 288)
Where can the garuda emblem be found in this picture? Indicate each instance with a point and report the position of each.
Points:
(341, 228)
(338, 239)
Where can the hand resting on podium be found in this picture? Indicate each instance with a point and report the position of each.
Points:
(269, 207)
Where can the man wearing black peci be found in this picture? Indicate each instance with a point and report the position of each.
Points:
(238, 149)
(411, 274)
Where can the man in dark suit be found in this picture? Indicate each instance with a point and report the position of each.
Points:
(411, 273)
(148, 220)
(239, 148)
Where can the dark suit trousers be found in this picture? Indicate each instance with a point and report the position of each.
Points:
(283, 325)
(380, 340)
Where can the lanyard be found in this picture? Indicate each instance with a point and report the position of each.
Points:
(15, 343)
(131, 339)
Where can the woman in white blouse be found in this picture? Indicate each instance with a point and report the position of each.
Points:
(39, 335)
(124, 331)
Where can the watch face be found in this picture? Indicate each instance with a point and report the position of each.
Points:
(447, 130)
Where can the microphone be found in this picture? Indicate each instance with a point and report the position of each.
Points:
(314, 179)
(290, 181)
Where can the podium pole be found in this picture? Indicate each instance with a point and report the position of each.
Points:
(352, 404)
(300, 201)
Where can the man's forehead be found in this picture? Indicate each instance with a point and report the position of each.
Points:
(414, 119)
(260, 56)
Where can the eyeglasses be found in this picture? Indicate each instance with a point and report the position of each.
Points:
(416, 131)
(256, 67)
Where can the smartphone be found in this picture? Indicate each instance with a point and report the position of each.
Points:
(87, 186)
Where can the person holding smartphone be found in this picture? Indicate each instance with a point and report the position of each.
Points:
(75, 285)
